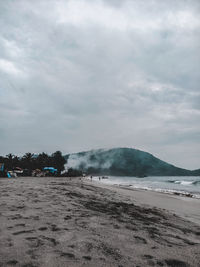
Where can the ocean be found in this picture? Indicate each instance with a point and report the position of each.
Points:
(179, 185)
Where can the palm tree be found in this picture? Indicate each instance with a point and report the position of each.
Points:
(16, 161)
(28, 161)
(9, 161)
(58, 161)
(42, 160)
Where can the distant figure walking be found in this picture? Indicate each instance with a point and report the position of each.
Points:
(99, 178)
(91, 177)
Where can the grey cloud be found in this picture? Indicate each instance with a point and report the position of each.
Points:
(125, 77)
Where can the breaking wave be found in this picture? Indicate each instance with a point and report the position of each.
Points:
(184, 182)
(187, 186)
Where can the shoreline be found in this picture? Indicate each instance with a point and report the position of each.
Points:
(183, 206)
(166, 190)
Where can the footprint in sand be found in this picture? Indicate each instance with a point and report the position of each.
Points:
(87, 258)
(35, 242)
(43, 228)
(12, 262)
(20, 224)
(29, 264)
(140, 240)
(54, 228)
(31, 253)
(116, 226)
(15, 217)
(149, 257)
(23, 232)
(131, 227)
(67, 254)
(176, 263)
(68, 217)
(52, 240)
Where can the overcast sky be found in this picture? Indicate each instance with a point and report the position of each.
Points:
(78, 75)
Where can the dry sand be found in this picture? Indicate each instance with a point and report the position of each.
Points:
(58, 222)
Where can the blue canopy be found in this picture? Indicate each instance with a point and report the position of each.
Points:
(51, 169)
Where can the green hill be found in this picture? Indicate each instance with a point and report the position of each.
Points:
(124, 162)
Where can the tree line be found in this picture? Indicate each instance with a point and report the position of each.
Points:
(31, 161)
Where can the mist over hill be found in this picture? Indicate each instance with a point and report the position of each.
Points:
(123, 162)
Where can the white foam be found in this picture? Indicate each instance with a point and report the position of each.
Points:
(187, 182)
(184, 182)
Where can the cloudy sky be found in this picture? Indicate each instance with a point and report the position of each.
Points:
(84, 74)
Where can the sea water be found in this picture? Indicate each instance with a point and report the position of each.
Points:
(183, 185)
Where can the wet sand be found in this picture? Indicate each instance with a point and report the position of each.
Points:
(186, 207)
(58, 222)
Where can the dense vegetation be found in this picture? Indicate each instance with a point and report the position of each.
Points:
(31, 161)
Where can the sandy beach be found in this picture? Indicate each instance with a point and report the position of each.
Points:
(186, 207)
(61, 222)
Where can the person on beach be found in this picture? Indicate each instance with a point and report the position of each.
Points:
(91, 177)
